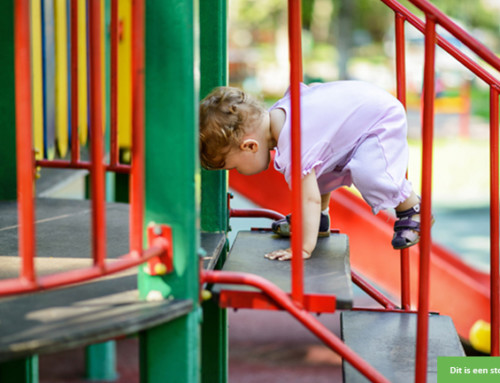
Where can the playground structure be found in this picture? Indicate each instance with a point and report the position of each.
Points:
(165, 182)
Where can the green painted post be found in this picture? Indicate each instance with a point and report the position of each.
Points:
(214, 211)
(7, 104)
(171, 352)
(100, 361)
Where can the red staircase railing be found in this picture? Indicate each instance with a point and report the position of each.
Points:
(28, 280)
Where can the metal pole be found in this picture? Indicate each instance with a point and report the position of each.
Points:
(25, 158)
(137, 174)
(97, 144)
(425, 234)
(401, 93)
(294, 30)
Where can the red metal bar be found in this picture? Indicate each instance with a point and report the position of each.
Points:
(425, 233)
(282, 299)
(24, 154)
(97, 146)
(447, 46)
(494, 224)
(473, 44)
(75, 145)
(63, 164)
(114, 85)
(137, 173)
(372, 291)
(255, 213)
(294, 30)
(240, 299)
(19, 286)
(401, 94)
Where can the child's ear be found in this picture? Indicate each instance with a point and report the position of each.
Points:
(249, 145)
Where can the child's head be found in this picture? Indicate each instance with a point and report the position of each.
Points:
(226, 115)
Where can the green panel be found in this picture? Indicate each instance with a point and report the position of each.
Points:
(213, 69)
(7, 104)
(171, 352)
(20, 370)
(214, 212)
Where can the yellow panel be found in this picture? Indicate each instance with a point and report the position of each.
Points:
(82, 72)
(124, 103)
(61, 76)
(36, 68)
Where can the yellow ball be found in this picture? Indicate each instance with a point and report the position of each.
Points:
(479, 336)
(160, 269)
(206, 295)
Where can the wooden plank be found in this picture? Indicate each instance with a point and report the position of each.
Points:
(387, 341)
(326, 272)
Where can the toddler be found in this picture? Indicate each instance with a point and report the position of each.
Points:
(352, 132)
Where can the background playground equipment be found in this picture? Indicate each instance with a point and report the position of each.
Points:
(171, 340)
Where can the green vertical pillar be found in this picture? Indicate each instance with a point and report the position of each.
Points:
(214, 212)
(7, 104)
(171, 352)
(20, 370)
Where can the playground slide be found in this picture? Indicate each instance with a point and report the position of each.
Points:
(457, 289)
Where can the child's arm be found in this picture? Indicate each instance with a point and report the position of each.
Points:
(311, 207)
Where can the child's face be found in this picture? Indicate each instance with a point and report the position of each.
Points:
(249, 158)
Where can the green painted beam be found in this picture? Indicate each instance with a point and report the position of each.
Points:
(213, 70)
(171, 352)
(214, 211)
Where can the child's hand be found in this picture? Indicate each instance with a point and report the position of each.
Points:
(285, 255)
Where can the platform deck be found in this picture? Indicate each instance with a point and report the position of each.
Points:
(326, 272)
(74, 316)
(387, 341)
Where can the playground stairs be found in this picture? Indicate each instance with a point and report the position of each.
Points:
(386, 339)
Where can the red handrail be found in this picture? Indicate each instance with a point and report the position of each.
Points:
(283, 301)
(435, 16)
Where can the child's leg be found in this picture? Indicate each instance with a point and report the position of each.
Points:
(411, 201)
(283, 226)
(325, 201)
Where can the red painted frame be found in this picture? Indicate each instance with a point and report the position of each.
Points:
(28, 281)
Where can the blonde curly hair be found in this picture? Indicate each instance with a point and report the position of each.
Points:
(225, 115)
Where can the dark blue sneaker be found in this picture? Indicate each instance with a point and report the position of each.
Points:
(283, 226)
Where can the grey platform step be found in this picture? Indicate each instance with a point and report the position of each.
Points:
(213, 244)
(74, 316)
(326, 272)
(387, 341)
(67, 318)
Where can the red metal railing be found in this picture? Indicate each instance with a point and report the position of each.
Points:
(159, 246)
(402, 15)
(435, 17)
